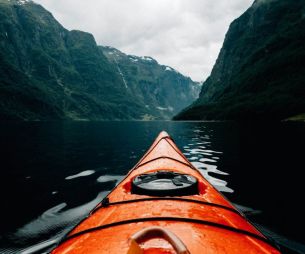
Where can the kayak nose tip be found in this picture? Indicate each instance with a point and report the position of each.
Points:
(163, 134)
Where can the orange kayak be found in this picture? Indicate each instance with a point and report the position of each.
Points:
(164, 205)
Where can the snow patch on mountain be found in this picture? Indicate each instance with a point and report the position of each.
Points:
(167, 68)
(147, 58)
(22, 2)
(133, 58)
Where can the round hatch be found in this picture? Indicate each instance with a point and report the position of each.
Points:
(165, 183)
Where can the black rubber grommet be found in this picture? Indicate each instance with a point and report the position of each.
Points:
(165, 183)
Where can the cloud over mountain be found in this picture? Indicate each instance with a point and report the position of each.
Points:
(184, 34)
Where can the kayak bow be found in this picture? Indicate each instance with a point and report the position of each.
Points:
(164, 205)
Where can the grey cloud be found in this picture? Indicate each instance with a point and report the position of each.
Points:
(184, 34)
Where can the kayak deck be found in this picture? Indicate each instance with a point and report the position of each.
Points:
(203, 223)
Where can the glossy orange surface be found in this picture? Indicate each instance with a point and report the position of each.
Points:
(200, 238)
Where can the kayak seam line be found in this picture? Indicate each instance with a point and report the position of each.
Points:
(148, 152)
(175, 149)
(173, 199)
(181, 154)
(166, 157)
(179, 219)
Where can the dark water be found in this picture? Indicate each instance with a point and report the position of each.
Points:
(53, 174)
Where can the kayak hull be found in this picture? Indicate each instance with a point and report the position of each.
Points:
(205, 223)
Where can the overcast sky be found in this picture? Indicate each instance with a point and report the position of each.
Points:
(184, 34)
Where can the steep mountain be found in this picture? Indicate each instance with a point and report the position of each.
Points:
(260, 71)
(49, 73)
(162, 90)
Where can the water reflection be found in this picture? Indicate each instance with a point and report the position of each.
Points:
(109, 178)
(81, 174)
(44, 232)
(200, 154)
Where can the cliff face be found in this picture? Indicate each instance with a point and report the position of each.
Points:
(161, 89)
(260, 70)
(49, 73)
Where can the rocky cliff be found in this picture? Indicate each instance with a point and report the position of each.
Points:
(161, 89)
(50, 73)
(260, 70)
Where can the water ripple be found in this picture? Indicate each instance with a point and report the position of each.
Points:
(52, 224)
(81, 174)
(109, 178)
(205, 159)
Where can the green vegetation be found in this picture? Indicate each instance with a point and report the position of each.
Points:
(49, 73)
(161, 89)
(260, 71)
